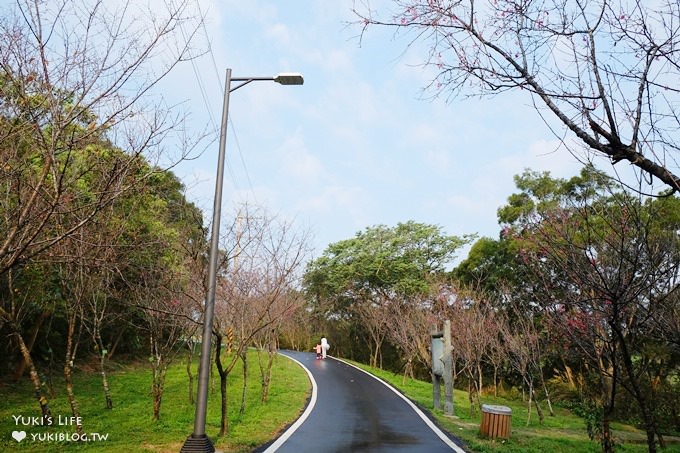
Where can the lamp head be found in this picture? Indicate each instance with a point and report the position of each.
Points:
(289, 78)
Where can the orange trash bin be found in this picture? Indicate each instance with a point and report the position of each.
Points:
(496, 421)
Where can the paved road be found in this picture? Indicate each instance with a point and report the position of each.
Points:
(352, 411)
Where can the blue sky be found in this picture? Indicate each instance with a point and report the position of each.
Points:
(360, 143)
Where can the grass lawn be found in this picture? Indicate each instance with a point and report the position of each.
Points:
(129, 427)
(564, 432)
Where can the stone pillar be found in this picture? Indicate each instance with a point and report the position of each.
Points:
(442, 367)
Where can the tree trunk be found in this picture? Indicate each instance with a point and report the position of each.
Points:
(662, 442)
(376, 354)
(244, 359)
(71, 349)
(105, 381)
(608, 394)
(159, 369)
(607, 443)
(408, 371)
(530, 392)
(481, 382)
(638, 393)
(495, 381)
(35, 379)
(115, 344)
(224, 418)
(473, 409)
(224, 403)
(267, 375)
(158, 387)
(539, 411)
(475, 391)
(99, 347)
(73, 402)
(157, 399)
(190, 359)
(21, 366)
(547, 396)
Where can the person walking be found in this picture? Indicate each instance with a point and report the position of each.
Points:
(318, 350)
(324, 347)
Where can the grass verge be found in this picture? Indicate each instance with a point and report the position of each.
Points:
(129, 427)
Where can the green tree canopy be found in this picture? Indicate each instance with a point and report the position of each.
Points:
(381, 261)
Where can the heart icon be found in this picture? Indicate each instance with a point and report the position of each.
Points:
(19, 435)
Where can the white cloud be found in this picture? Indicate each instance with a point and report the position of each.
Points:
(259, 195)
(554, 156)
(439, 161)
(330, 197)
(280, 34)
(301, 166)
(337, 212)
(332, 61)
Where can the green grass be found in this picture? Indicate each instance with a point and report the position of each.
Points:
(565, 432)
(129, 425)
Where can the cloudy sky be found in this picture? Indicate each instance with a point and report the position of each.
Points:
(360, 143)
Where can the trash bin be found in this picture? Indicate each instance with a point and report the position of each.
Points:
(496, 421)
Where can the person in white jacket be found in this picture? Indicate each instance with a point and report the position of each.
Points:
(324, 347)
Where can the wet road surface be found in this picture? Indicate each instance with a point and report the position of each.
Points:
(351, 411)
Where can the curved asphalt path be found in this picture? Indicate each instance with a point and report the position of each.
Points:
(352, 411)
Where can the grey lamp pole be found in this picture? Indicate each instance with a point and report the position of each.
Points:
(198, 441)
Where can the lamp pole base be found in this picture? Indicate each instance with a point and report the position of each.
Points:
(199, 444)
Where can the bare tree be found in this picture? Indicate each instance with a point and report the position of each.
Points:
(296, 330)
(524, 344)
(102, 268)
(266, 341)
(605, 70)
(167, 320)
(473, 329)
(76, 288)
(409, 323)
(375, 319)
(261, 270)
(497, 357)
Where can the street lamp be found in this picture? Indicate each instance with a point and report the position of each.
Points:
(198, 441)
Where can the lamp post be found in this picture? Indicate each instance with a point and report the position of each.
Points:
(198, 441)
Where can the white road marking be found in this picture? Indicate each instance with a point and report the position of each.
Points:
(289, 432)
